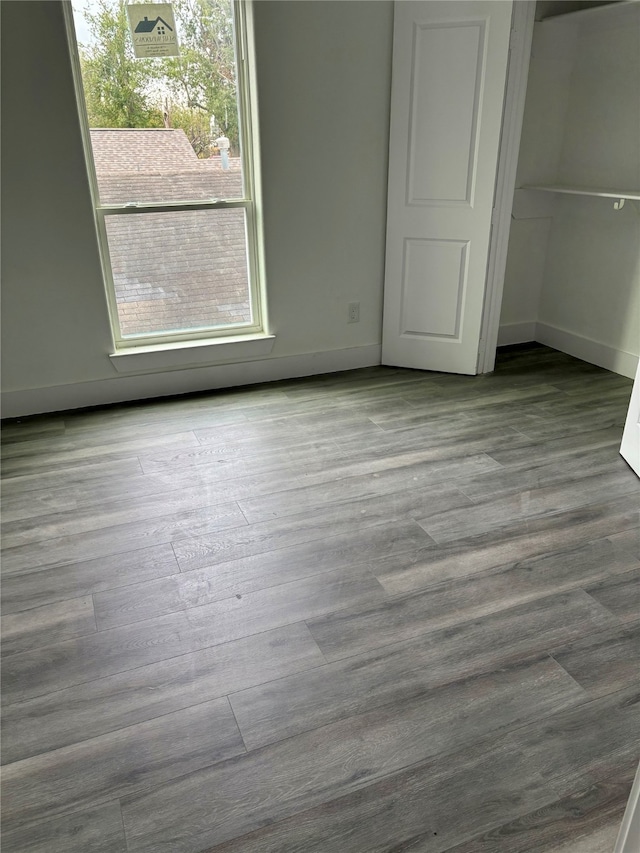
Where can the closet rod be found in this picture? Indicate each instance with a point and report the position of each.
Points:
(594, 192)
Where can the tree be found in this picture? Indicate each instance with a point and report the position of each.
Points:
(116, 84)
(203, 78)
(195, 91)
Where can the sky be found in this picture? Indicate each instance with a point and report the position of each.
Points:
(82, 29)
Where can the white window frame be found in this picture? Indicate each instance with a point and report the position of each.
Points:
(145, 345)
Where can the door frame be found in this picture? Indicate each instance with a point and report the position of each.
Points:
(515, 95)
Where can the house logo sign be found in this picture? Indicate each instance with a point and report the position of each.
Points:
(153, 30)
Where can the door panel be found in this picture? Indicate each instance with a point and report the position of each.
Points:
(449, 74)
(630, 448)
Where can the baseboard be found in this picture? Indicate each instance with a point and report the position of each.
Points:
(120, 389)
(618, 361)
(516, 333)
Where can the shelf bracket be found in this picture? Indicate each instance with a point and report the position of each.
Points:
(618, 205)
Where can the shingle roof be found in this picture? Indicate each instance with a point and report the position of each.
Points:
(158, 165)
(171, 270)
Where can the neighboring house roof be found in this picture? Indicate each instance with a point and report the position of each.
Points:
(184, 268)
(158, 165)
(146, 26)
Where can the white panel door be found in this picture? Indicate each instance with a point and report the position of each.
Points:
(449, 74)
(630, 447)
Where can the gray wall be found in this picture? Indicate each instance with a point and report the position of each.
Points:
(324, 71)
(573, 269)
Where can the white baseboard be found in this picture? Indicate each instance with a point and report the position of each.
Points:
(618, 361)
(119, 389)
(516, 333)
(59, 398)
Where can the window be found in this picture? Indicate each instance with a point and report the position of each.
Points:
(172, 154)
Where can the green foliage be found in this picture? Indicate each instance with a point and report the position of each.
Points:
(195, 124)
(195, 91)
(115, 82)
(202, 78)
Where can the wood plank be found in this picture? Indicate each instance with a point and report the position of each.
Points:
(46, 586)
(582, 463)
(98, 830)
(110, 515)
(212, 479)
(370, 461)
(493, 514)
(313, 497)
(41, 671)
(435, 806)
(36, 503)
(524, 541)
(28, 428)
(51, 623)
(401, 671)
(474, 403)
(45, 458)
(535, 450)
(119, 763)
(238, 615)
(94, 708)
(620, 595)
(334, 558)
(126, 647)
(348, 518)
(359, 629)
(577, 747)
(237, 460)
(585, 822)
(85, 472)
(576, 424)
(416, 809)
(597, 384)
(120, 538)
(604, 662)
(346, 756)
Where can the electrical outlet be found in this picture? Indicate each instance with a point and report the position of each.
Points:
(353, 315)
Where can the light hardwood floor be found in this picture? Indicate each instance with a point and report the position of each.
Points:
(383, 610)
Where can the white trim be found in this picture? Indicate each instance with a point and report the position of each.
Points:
(516, 333)
(244, 48)
(122, 388)
(630, 445)
(515, 95)
(579, 346)
(177, 355)
(595, 352)
(628, 840)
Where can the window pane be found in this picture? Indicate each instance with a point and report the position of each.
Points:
(159, 166)
(163, 129)
(176, 272)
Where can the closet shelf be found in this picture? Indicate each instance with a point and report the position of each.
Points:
(595, 192)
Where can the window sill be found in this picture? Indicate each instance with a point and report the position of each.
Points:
(192, 353)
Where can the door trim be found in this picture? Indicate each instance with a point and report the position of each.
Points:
(515, 96)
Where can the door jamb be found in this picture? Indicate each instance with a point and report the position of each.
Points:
(515, 93)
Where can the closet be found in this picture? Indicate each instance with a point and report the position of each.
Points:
(572, 277)
(569, 273)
